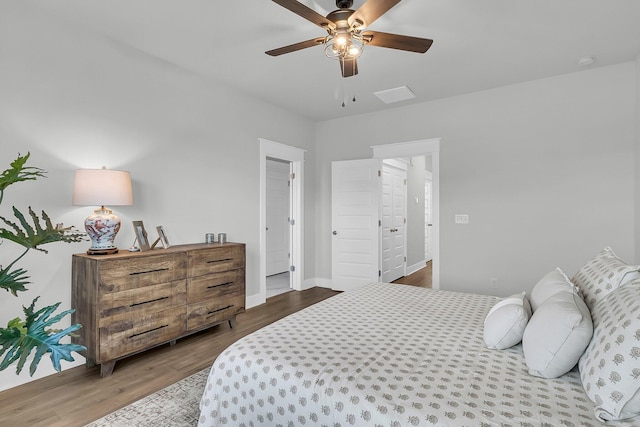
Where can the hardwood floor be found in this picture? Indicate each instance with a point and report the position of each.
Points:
(421, 278)
(78, 396)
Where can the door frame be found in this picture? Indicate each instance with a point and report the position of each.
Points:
(295, 156)
(429, 147)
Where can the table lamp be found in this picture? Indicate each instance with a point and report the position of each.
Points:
(100, 187)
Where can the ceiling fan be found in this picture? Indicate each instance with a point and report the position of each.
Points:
(347, 36)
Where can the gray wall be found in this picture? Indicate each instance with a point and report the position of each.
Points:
(637, 163)
(77, 100)
(544, 169)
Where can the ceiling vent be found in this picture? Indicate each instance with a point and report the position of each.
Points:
(398, 94)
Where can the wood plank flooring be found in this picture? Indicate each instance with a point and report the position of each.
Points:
(79, 396)
(421, 278)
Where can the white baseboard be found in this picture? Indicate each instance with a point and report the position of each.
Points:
(415, 267)
(317, 281)
(255, 300)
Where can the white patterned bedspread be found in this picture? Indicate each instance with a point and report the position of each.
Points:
(386, 355)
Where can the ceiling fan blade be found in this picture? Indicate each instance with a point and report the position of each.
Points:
(370, 11)
(295, 46)
(306, 12)
(396, 41)
(349, 67)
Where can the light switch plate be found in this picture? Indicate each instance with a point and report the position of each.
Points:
(462, 219)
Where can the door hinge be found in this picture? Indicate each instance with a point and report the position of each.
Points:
(405, 259)
(379, 223)
(405, 220)
(405, 182)
(292, 268)
(289, 183)
(379, 273)
(292, 221)
(293, 175)
(379, 173)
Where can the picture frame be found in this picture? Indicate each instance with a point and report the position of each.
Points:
(163, 237)
(141, 235)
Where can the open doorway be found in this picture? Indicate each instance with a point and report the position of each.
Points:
(270, 150)
(278, 217)
(355, 219)
(430, 149)
(406, 221)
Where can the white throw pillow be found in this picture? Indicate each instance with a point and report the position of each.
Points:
(551, 283)
(603, 274)
(557, 334)
(610, 367)
(506, 321)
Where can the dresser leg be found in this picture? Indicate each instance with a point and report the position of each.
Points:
(106, 369)
(232, 322)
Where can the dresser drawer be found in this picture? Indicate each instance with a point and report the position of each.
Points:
(128, 336)
(143, 301)
(215, 285)
(216, 259)
(130, 273)
(129, 302)
(211, 312)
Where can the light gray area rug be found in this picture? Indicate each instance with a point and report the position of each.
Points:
(173, 406)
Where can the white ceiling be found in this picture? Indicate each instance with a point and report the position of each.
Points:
(478, 44)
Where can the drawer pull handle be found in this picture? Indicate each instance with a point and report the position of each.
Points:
(148, 271)
(221, 284)
(150, 330)
(219, 260)
(147, 302)
(220, 309)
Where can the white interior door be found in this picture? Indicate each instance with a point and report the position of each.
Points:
(428, 220)
(278, 214)
(394, 207)
(355, 205)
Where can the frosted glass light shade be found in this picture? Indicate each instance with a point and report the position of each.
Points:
(100, 187)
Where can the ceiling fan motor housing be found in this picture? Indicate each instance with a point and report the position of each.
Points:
(344, 4)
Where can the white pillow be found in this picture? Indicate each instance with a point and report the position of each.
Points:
(551, 283)
(610, 367)
(505, 323)
(557, 334)
(603, 274)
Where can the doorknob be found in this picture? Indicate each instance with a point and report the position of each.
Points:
(335, 233)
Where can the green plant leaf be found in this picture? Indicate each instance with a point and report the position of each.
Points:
(31, 237)
(21, 338)
(19, 172)
(13, 281)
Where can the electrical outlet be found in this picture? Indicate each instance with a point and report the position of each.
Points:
(462, 219)
(493, 283)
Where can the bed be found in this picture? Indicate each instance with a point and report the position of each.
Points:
(388, 355)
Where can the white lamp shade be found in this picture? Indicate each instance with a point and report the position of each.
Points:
(102, 187)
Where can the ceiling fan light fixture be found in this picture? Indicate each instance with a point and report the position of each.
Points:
(343, 46)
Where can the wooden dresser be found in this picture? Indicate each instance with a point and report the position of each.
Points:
(131, 301)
